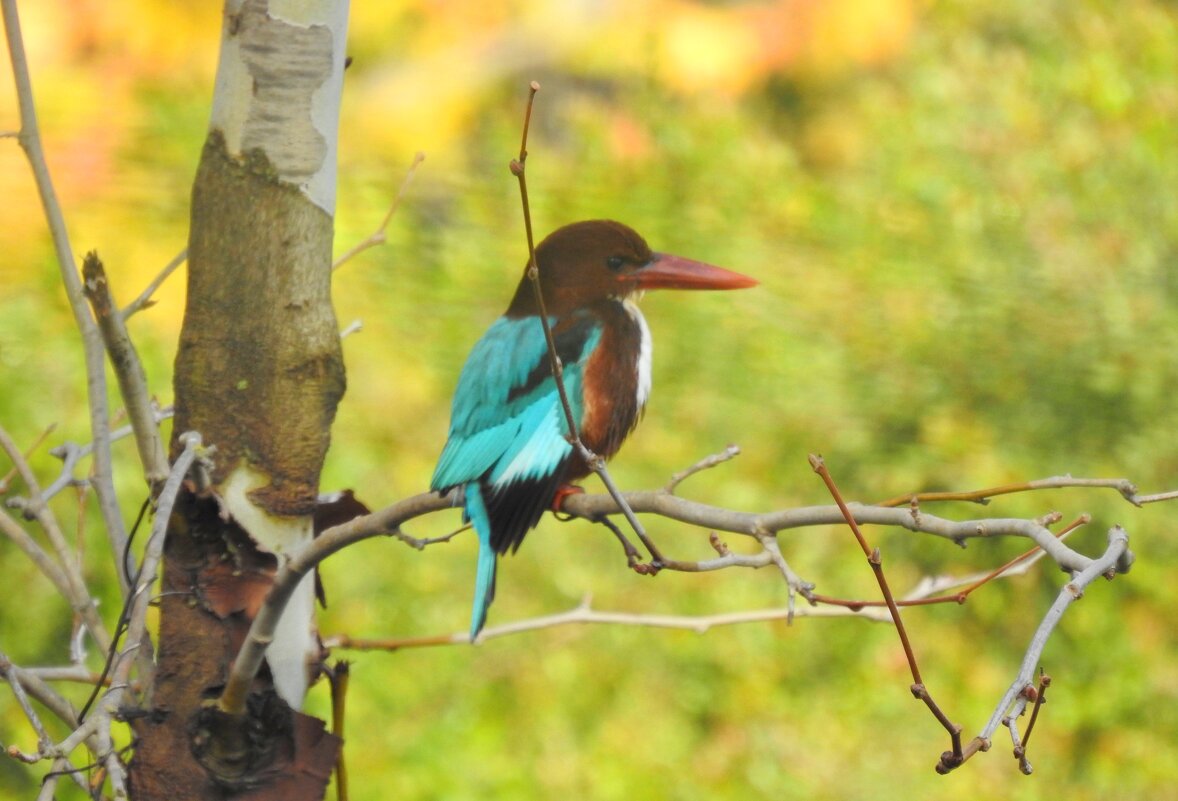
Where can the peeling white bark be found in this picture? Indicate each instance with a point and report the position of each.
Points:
(295, 644)
(286, 106)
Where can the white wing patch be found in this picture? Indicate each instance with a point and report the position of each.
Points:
(539, 445)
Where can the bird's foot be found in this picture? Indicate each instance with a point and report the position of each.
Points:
(564, 491)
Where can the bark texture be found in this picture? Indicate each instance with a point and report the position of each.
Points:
(259, 373)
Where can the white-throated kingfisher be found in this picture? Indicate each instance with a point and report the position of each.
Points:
(508, 447)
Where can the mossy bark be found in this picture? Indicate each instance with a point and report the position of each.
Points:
(259, 373)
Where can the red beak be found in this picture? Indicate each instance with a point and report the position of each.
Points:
(675, 272)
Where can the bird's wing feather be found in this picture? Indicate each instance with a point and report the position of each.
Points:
(507, 424)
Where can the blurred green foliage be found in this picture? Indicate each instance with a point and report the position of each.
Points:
(965, 220)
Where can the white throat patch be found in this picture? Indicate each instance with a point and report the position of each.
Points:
(644, 352)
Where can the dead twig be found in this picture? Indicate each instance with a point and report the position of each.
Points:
(377, 237)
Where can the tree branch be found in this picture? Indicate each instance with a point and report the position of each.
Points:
(377, 237)
(144, 300)
(761, 526)
(583, 613)
(1125, 487)
(71, 454)
(152, 554)
(30, 141)
(66, 572)
(1108, 564)
(128, 371)
(253, 649)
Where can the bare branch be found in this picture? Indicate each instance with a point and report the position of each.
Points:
(144, 300)
(919, 688)
(377, 237)
(1141, 500)
(748, 523)
(253, 649)
(66, 572)
(72, 673)
(594, 507)
(583, 613)
(153, 552)
(30, 141)
(22, 699)
(1108, 564)
(1125, 487)
(71, 453)
(36, 553)
(708, 462)
(128, 371)
(6, 480)
(24, 685)
(1115, 559)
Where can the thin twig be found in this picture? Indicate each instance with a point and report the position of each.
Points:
(71, 453)
(919, 688)
(1125, 487)
(28, 453)
(338, 676)
(1040, 699)
(152, 554)
(38, 555)
(22, 700)
(24, 684)
(591, 506)
(925, 594)
(1156, 497)
(583, 613)
(377, 237)
(592, 460)
(708, 462)
(144, 300)
(67, 576)
(30, 141)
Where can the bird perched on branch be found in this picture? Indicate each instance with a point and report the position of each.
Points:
(509, 447)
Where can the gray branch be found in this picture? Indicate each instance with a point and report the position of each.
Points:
(1111, 562)
(29, 138)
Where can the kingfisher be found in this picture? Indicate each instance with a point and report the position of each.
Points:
(508, 447)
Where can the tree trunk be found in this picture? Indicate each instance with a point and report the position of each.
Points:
(259, 374)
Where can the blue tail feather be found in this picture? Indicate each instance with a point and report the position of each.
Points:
(484, 584)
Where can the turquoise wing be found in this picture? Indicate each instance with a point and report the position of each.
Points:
(506, 423)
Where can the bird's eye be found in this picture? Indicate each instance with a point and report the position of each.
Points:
(615, 263)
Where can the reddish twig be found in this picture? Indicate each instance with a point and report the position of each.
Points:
(960, 596)
(918, 688)
(1040, 698)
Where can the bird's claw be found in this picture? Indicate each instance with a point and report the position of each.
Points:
(564, 491)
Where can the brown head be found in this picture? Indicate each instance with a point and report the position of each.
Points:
(595, 260)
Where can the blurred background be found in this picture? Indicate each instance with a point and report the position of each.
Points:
(965, 223)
